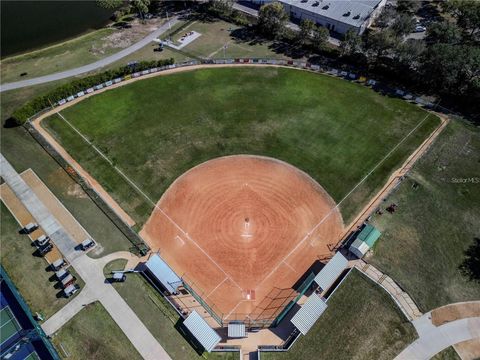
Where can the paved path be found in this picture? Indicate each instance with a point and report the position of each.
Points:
(93, 66)
(90, 270)
(403, 300)
(434, 339)
(43, 217)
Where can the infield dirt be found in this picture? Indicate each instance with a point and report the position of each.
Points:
(243, 229)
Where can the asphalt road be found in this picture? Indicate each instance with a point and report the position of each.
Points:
(93, 66)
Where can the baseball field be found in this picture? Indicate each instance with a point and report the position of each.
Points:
(156, 129)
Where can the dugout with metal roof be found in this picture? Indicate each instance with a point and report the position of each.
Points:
(309, 313)
(160, 270)
(330, 272)
(199, 328)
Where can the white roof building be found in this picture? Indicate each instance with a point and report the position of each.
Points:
(309, 313)
(331, 272)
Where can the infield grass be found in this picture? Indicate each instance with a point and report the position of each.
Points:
(361, 322)
(425, 241)
(156, 129)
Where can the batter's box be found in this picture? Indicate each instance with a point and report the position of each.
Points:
(248, 294)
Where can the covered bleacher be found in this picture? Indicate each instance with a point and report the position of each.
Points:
(309, 313)
(199, 328)
(158, 271)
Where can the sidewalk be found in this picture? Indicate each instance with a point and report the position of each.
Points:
(403, 300)
(434, 339)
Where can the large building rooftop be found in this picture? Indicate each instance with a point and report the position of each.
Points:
(352, 12)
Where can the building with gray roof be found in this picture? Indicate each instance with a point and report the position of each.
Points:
(336, 15)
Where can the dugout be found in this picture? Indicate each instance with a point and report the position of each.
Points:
(309, 313)
(331, 272)
(159, 273)
(201, 331)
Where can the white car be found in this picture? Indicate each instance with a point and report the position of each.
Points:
(420, 28)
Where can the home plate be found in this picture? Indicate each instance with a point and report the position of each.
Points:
(249, 294)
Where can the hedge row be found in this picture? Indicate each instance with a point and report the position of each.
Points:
(22, 114)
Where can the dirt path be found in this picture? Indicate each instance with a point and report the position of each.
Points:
(452, 312)
(395, 179)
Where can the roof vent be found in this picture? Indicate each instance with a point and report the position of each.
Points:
(348, 13)
(304, 1)
(356, 17)
(316, 3)
(326, 6)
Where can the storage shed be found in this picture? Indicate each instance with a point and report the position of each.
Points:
(365, 240)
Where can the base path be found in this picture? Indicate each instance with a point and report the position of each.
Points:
(243, 230)
(93, 66)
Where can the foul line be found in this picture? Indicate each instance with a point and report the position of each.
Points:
(216, 287)
(146, 197)
(344, 198)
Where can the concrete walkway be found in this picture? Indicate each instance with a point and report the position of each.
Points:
(43, 217)
(403, 300)
(90, 270)
(93, 66)
(433, 339)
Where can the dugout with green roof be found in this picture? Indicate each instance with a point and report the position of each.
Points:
(369, 235)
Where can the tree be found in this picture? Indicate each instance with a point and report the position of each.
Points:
(351, 44)
(271, 19)
(443, 32)
(386, 17)
(470, 266)
(109, 4)
(306, 30)
(467, 13)
(403, 24)
(380, 42)
(408, 6)
(453, 69)
(141, 6)
(408, 53)
(320, 37)
(221, 7)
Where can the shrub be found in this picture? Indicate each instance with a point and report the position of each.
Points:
(22, 114)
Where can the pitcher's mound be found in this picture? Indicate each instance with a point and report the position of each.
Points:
(242, 225)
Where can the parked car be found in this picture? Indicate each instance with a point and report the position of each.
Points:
(87, 244)
(44, 249)
(61, 274)
(30, 227)
(420, 28)
(71, 290)
(68, 280)
(58, 264)
(119, 277)
(42, 240)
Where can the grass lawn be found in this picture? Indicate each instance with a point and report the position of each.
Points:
(424, 242)
(38, 286)
(92, 334)
(216, 34)
(70, 54)
(361, 322)
(330, 128)
(447, 354)
(158, 316)
(23, 152)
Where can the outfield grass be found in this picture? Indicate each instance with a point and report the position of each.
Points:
(423, 243)
(159, 317)
(361, 322)
(28, 272)
(93, 334)
(156, 129)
